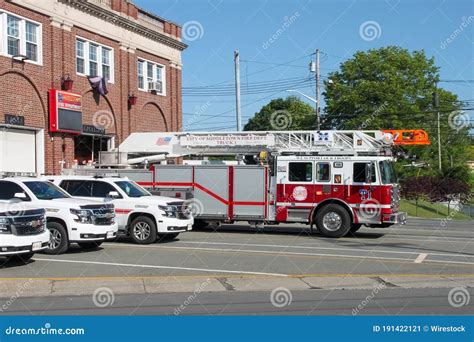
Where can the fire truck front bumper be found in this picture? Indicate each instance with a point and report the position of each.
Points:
(396, 218)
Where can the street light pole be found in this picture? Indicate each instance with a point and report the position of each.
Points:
(318, 90)
(436, 105)
(237, 90)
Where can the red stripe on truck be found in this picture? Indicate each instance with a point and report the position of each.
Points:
(200, 187)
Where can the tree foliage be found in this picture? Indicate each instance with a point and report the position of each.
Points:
(391, 88)
(435, 189)
(283, 114)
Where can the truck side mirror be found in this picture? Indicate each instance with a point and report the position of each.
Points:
(113, 194)
(369, 173)
(20, 196)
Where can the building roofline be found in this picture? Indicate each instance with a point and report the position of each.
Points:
(126, 23)
(155, 16)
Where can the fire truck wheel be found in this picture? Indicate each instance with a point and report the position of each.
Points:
(355, 227)
(59, 241)
(333, 221)
(143, 230)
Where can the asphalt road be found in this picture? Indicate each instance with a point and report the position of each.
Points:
(318, 302)
(421, 247)
(411, 269)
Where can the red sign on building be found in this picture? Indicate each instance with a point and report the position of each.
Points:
(65, 112)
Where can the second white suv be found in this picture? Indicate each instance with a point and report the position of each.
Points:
(68, 219)
(140, 215)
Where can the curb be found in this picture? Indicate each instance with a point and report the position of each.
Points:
(25, 288)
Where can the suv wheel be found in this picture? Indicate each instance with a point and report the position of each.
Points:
(143, 230)
(59, 242)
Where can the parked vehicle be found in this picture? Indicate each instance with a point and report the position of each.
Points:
(140, 215)
(337, 181)
(23, 230)
(69, 220)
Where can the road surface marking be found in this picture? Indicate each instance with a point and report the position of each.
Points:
(286, 253)
(421, 258)
(160, 267)
(339, 249)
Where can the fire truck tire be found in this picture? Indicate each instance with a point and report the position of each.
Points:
(59, 242)
(355, 227)
(333, 221)
(143, 231)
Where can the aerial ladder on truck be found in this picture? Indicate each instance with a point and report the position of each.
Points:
(334, 180)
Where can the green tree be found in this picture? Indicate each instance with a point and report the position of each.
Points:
(391, 88)
(283, 114)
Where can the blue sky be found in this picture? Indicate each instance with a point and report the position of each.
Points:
(277, 37)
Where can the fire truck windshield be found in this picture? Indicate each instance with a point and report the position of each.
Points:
(133, 190)
(387, 170)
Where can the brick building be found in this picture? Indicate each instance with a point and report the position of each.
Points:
(46, 44)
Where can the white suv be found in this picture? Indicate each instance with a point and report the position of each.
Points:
(69, 220)
(140, 215)
(22, 230)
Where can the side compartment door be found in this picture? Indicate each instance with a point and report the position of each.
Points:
(295, 190)
(365, 193)
(323, 188)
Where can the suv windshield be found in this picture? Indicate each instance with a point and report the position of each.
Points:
(132, 190)
(46, 190)
(387, 170)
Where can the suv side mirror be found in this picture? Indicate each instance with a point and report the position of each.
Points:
(20, 195)
(114, 194)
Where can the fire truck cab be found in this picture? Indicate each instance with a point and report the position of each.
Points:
(335, 181)
(337, 194)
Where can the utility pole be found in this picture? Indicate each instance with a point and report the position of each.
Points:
(318, 90)
(436, 106)
(237, 90)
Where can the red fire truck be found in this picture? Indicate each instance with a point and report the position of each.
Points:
(335, 181)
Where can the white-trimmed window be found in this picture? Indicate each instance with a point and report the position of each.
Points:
(151, 77)
(20, 36)
(93, 59)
